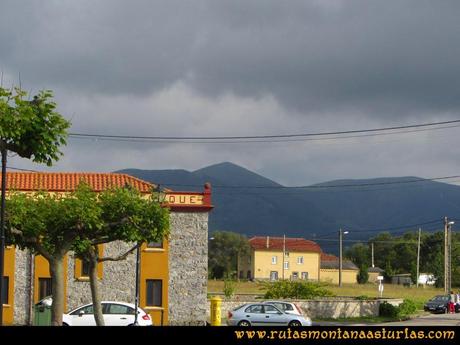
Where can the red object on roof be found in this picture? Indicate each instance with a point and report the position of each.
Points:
(291, 244)
(67, 182)
(328, 257)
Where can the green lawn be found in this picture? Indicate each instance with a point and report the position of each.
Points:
(419, 295)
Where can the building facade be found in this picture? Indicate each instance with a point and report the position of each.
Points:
(273, 258)
(173, 272)
(330, 270)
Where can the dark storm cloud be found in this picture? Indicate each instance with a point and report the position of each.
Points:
(378, 57)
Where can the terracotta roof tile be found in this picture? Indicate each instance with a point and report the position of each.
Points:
(67, 182)
(276, 243)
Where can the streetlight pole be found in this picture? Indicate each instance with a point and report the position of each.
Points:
(418, 256)
(136, 307)
(447, 255)
(341, 233)
(2, 228)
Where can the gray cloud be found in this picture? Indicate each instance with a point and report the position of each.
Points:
(239, 67)
(389, 57)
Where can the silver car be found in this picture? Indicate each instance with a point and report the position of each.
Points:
(260, 314)
(287, 307)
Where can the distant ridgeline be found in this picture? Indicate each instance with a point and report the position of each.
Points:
(251, 204)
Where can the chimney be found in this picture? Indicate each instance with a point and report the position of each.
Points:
(268, 242)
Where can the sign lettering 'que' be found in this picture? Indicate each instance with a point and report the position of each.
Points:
(183, 199)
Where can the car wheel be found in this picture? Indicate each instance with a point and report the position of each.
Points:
(295, 323)
(244, 323)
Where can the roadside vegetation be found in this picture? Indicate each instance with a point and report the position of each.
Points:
(363, 291)
(295, 289)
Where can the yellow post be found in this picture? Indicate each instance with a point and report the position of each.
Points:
(215, 311)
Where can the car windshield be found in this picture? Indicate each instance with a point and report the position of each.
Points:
(440, 298)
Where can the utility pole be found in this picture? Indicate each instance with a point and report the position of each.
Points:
(446, 291)
(284, 252)
(447, 255)
(372, 254)
(341, 233)
(418, 256)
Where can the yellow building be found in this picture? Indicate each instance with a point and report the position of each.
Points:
(165, 276)
(276, 258)
(374, 272)
(330, 270)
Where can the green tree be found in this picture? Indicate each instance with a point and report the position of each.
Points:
(139, 220)
(225, 250)
(363, 275)
(432, 256)
(359, 254)
(52, 225)
(384, 253)
(31, 129)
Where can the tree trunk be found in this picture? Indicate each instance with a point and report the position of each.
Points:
(97, 306)
(57, 281)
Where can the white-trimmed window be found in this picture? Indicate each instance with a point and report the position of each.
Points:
(304, 275)
(286, 265)
(274, 260)
(300, 260)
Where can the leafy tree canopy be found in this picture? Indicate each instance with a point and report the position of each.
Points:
(32, 129)
(224, 249)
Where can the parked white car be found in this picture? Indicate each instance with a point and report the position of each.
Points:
(114, 313)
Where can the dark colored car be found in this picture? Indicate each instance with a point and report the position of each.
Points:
(439, 304)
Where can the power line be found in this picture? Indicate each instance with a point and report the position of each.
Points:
(319, 186)
(279, 187)
(402, 228)
(20, 169)
(229, 139)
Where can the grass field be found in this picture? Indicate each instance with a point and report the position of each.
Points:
(419, 295)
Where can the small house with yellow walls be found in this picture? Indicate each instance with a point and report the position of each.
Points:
(330, 270)
(173, 272)
(273, 258)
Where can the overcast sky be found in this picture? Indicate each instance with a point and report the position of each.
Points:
(226, 68)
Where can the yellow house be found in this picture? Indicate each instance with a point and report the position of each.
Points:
(374, 272)
(330, 270)
(276, 258)
(165, 276)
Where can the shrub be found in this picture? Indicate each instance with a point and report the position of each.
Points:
(407, 308)
(296, 289)
(388, 310)
(362, 298)
(229, 288)
(363, 275)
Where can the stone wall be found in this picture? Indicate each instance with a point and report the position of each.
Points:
(118, 278)
(322, 308)
(188, 268)
(188, 273)
(22, 285)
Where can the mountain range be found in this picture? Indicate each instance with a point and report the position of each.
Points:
(251, 204)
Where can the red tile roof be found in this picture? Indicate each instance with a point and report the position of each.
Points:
(276, 243)
(67, 182)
